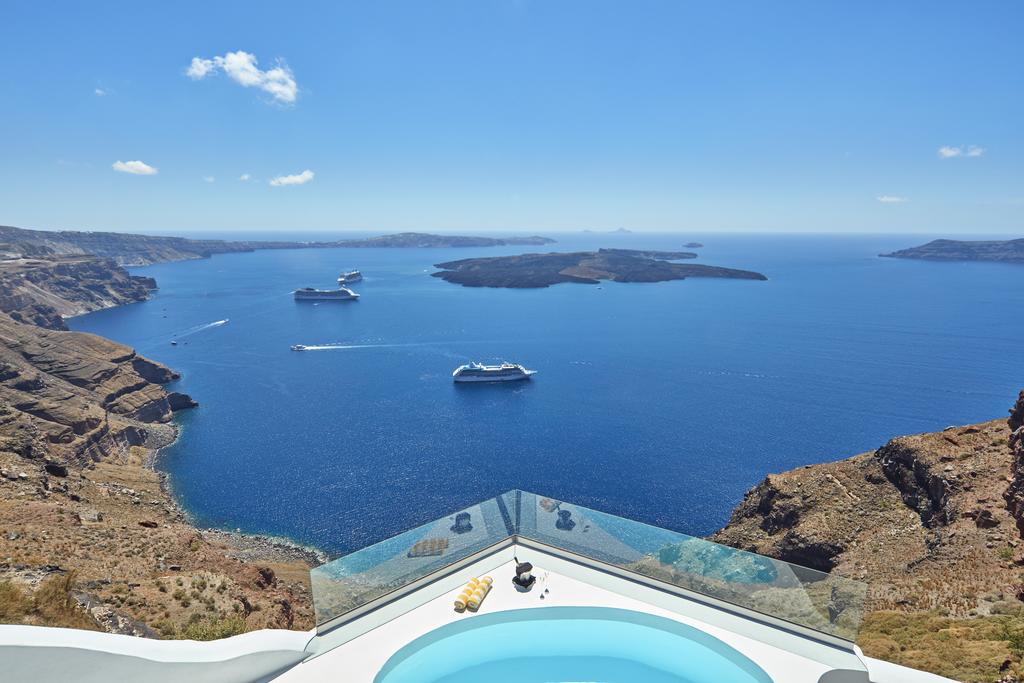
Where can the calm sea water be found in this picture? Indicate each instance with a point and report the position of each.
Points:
(660, 402)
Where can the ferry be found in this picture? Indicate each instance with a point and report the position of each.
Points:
(339, 294)
(349, 277)
(478, 372)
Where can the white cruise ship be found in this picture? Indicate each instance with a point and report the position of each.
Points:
(349, 277)
(339, 294)
(478, 372)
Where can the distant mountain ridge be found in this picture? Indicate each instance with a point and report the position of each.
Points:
(140, 250)
(1006, 251)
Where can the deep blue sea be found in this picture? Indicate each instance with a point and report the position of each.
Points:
(659, 402)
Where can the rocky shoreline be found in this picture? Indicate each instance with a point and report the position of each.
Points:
(90, 535)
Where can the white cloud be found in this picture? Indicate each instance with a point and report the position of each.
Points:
(297, 179)
(244, 177)
(947, 152)
(892, 199)
(209, 179)
(100, 92)
(134, 167)
(241, 67)
(200, 68)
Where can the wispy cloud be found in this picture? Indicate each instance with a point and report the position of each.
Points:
(892, 199)
(241, 67)
(296, 179)
(244, 177)
(209, 179)
(948, 152)
(100, 92)
(134, 167)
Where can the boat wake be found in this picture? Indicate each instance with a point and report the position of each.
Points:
(335, 347)
(347, 347)
(199, 328)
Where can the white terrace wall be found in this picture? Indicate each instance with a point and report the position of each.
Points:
(36, 654)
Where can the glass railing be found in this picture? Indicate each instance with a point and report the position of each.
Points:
(813, 599)
(823, 602)
(365, 575)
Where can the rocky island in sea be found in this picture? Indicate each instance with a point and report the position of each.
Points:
(584, 267)
(1007, 251)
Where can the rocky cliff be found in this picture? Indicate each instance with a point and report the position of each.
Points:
(124, 249)
(84, 518)
(1015, 491)
(930, 522)
(42, 291)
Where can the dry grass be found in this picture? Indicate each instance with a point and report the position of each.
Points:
(14, 603)
(52, 604)
(969, 650)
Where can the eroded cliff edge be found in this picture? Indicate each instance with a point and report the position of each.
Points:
(43, 291)
(89, 537)
(932, 522)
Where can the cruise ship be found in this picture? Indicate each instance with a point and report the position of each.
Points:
(478, 372)
(349, 277)
(339, 294)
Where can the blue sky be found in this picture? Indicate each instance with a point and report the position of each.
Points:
(480, 115)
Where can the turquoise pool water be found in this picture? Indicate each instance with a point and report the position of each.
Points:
(562, 644)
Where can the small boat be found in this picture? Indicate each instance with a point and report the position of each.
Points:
(478, 372)
(174, 343)
(349, 277)
(299, 347)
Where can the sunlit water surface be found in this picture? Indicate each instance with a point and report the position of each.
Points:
(660, 402)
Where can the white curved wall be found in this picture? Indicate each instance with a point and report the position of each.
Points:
(37, 654)
(886, 672)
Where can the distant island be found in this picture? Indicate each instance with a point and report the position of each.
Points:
(142, 250)
(693, 245)
(425, 240)
(583, 267)
(1005, 251)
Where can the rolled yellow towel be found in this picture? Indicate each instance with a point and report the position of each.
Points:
(462, 601)
(478, 596)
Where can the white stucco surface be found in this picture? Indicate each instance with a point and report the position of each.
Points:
(360, 659)
(36, 654)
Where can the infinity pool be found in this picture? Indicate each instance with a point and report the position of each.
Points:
(559, 644)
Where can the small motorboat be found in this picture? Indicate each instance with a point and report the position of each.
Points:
(298, 347)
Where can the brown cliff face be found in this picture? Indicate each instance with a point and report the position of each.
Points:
(81, 510)
(42, 291)
(1015, 492)
(929, 523)
(910, 518)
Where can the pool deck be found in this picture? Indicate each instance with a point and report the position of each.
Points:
(357, 652)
